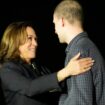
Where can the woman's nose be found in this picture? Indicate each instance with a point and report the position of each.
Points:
(35, 42)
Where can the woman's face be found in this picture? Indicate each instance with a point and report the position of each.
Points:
(28, 49)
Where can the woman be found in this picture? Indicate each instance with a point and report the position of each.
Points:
(23, 81)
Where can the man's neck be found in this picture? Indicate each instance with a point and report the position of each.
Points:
(72, 33)
(72, 36)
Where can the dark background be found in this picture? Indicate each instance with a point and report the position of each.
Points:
(40, 12)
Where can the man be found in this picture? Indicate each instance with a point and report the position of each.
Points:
(87, 88)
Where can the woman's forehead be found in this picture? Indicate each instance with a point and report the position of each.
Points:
(30, 31)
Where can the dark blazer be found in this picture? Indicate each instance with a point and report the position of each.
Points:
(89, 87)
(25, 84)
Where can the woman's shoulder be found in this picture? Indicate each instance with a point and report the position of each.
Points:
(9, 63)
(10, 66)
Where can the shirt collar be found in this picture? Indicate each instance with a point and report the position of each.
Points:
(74, 40)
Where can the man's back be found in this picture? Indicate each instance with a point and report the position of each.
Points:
(87, 88)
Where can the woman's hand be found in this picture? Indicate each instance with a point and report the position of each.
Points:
(75, 66)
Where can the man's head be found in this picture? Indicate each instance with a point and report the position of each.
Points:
(67, 13)
(71, 10)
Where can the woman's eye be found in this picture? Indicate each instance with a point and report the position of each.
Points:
(35, 39)
(29, 38)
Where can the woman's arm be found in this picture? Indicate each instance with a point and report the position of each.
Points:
(13, 78)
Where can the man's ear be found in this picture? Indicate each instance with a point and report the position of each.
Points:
(62, 20)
